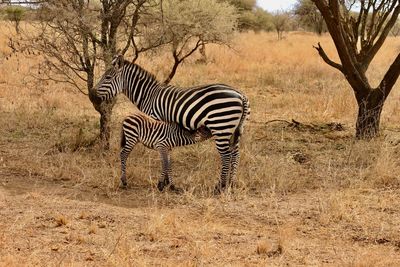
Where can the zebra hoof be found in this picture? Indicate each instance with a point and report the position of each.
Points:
(123, 185)
(218, 190)
(161, 186)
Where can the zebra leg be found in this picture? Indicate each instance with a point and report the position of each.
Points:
(235, 156)
(126, 148)
(166, 169)
(225, 168)
(166, 174)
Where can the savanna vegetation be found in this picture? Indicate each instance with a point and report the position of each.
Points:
(308, 193)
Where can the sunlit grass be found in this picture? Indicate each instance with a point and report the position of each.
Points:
(307, 195)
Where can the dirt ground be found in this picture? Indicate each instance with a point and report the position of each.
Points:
(53, 223)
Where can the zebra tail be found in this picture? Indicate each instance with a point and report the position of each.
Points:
(239, 129)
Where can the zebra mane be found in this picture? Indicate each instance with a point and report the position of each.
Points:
(141, 70)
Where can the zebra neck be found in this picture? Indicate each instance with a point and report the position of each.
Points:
(139, 86)
(141, 95)
(146, 103)
(163, 100)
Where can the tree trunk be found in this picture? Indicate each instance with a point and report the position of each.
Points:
(16, 24)
(369, 114)
(105, 110)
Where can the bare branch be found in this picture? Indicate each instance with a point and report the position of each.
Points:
(134, 21)
(391, 76)
(327, 60)
(374, 48)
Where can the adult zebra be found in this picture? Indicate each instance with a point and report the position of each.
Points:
(217, 107)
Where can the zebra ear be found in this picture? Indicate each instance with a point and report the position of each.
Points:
(118, 61)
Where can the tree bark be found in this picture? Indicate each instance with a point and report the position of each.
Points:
(370, 105)
(369, 114)
(105, 110)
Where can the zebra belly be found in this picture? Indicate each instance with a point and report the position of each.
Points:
(151, 137)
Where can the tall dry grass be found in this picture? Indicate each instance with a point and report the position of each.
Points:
(307, 195)
(283, 80)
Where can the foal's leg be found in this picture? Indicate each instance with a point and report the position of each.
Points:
(126, 148)
(166, 168)
(166, 173)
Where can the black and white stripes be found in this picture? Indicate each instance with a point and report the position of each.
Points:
(158, 135)
(218, 108)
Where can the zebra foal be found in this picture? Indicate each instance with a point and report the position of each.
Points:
(158, 135)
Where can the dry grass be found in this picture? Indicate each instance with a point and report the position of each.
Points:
(305, 196)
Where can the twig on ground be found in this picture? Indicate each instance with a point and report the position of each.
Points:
(115, 246)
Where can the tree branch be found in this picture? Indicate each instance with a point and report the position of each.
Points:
(383, 35)
(351, 68)
(178, 60)
(134, 21)
(327, 60)
(390, 77)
